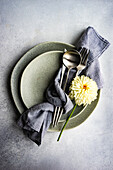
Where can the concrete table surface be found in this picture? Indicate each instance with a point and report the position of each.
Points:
(24, 24)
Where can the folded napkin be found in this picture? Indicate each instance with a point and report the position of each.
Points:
(36, 120)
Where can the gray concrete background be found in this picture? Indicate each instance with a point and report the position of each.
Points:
(24, 24)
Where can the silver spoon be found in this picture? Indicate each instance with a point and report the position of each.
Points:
(71, 59)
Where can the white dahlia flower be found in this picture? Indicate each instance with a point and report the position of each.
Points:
(83, 90)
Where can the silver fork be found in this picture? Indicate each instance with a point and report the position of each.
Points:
(84, 56)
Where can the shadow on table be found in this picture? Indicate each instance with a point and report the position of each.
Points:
(8, 78)
(74, 42)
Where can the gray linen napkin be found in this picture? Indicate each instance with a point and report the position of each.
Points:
(36, 120)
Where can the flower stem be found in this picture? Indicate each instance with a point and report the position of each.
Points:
(66, 122)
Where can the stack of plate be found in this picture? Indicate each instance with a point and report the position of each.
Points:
(34, 72)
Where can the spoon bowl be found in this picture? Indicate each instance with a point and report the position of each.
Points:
(71, 59)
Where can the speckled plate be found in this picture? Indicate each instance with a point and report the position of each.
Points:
(38, 75)
(21, 65)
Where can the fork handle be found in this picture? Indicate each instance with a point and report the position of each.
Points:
(61, 80)
(60, 110)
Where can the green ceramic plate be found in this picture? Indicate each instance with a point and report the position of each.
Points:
(38, 75)
(17, 73)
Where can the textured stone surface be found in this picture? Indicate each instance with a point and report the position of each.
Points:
(24, 24)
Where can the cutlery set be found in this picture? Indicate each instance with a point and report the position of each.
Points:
(71, 59)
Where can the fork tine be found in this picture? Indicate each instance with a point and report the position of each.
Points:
(82, 51)
(84, 56)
